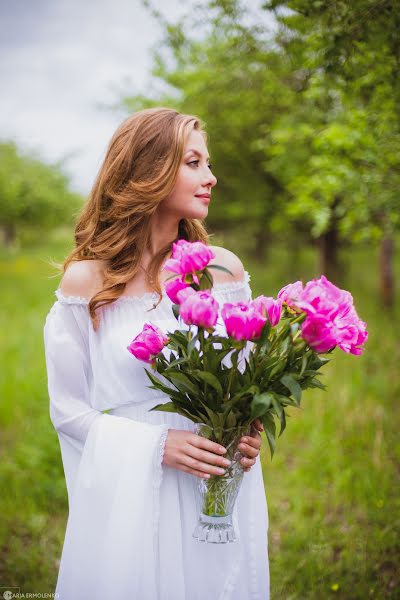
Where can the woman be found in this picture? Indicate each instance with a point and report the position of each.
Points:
(131, 474)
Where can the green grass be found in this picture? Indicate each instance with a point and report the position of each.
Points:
(332, 486)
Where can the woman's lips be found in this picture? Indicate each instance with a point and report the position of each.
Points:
(206, 198)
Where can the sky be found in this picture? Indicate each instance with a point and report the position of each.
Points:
(64, 63)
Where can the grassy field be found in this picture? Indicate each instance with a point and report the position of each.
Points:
(332, 486)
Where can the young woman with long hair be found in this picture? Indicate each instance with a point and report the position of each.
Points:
(131, 474)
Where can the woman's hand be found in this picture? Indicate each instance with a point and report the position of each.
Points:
(194, 454)
(250, 445)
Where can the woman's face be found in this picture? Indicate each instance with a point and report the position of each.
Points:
(192, 192)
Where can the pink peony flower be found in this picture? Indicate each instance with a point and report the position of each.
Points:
(173, 287)
(319, 333)
(198, 308)
(351, 332)
(188, 257)
(243, 321)
(331, 318)
(323, 297)
(269, 307)
(291, 293)
(184, 293)
(148, 343)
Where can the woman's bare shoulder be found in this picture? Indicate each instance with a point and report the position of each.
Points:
(83, 278)
(228, 259)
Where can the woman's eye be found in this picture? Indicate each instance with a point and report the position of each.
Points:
(196, 162)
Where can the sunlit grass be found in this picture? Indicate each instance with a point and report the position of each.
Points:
(332, 486)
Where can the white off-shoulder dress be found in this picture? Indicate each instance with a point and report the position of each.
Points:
(131, 518)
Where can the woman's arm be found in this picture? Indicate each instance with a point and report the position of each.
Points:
(230, 261)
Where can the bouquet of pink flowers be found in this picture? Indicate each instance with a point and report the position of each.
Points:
(283, 338)
(288, 336)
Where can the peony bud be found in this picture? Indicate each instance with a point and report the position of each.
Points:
(198, 308)
(148, 343)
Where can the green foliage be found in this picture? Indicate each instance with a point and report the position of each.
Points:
(303, 123)
(32, 193)
(342, 140)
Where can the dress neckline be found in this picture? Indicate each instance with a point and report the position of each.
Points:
(225, 286)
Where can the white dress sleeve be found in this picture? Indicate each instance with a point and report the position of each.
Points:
(68, 371)
(113, 469)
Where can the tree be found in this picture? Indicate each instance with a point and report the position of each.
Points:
(32, 193)
(352, 54)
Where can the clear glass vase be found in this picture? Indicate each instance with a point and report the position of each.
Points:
(216, 496)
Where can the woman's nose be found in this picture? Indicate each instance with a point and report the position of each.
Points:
(210, 179)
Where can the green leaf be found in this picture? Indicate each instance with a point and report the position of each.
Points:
(317, 384)
(280, 412)
(220, 268)
(303, 363)
(175, 310)
(183, 383)
(192, 344)
(292, 385)
(215, 418)
(260, 404)
(284, 400)
(174, 363)
(270, 431)
(251, 390)
(208, 378)
(181, 407)
(231, 420)
(167, 407)
(206, 282)
(186, 413)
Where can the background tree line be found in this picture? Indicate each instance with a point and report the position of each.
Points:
(33, 194)
(303, 120)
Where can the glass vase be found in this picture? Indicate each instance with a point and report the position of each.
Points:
(216, 496)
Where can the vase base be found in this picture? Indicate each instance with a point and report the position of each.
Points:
(215, 530)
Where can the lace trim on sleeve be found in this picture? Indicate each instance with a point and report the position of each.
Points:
(231, 286)
(234, 291)
(158, 475)
(226, 287)
(70, 299)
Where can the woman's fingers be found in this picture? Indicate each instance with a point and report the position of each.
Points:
(200, 474)
(197, 465)
(250, 447)
(251, 444)
(179, 446)
(249, 451)
(201, 442)
(207, 457)
(199, 456)
(258, 425)
(247, 463)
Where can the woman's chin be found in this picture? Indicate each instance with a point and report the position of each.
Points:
(195, 214)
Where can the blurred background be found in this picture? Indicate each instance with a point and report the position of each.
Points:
(301, 101)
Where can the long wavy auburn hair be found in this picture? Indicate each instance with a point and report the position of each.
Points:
(138, 172)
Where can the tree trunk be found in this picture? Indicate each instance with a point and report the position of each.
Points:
(329, 263)
(386, 271)
(8, 234)
(261, 245)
